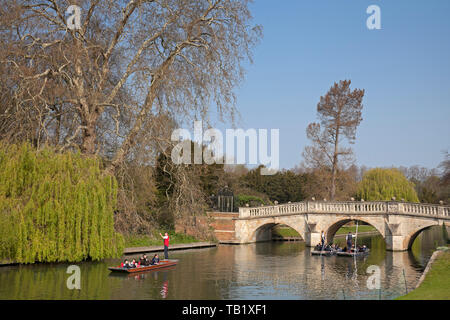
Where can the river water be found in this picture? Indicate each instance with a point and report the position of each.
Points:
(270, 270)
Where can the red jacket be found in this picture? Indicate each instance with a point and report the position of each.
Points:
(166, 241)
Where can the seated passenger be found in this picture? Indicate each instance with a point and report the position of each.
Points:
(144, 261)
(125, 264)
(155, 259)
(133, 264)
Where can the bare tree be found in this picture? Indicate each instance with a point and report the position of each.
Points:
(99, 86)
(339, 112)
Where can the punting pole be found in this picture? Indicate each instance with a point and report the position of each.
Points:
(356, 243)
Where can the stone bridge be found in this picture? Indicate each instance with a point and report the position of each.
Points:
(398, 222)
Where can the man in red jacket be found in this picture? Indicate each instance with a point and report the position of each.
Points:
(166, 245)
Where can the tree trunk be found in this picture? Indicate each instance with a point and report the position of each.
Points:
(333, 180)
(89, 136)
(334, 166)
(58, 126)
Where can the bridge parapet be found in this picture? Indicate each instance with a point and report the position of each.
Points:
(428, 209)
(344, 207)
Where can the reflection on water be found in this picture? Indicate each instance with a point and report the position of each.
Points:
(272, 270)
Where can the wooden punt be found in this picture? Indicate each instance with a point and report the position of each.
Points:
(352, 254)
(322, 253)
(160, 265)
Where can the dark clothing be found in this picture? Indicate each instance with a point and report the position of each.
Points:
(155, 260)
(144, 262)
(349, 241)
(166, 252)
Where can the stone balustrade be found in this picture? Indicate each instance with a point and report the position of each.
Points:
(350, 207)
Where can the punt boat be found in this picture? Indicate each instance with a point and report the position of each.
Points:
(162, 264)
(323, 253)
(353, 254)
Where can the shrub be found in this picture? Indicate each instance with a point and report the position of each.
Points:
(383, 184)
(55, 206)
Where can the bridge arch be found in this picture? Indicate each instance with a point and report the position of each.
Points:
(409, 239)
(332, 228)
(262, 230)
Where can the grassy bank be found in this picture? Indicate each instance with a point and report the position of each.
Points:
(154, 239)
(436, 285)
(362, 228)
(284, 232)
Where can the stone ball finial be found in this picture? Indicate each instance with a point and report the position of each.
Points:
(275, 202)
(247, 205)
(441, 202)
(362, 200)
(352, 199)
(289, 202)
(325, 199)
(313, 199)
(393, 198)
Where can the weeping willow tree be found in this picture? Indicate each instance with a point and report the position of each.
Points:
(383, 184)
(55, 206)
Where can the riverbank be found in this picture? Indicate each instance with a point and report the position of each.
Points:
(361, 229)
(435, 282)
(135, 244)
(147, 249)
(154, 239)
(160, 248)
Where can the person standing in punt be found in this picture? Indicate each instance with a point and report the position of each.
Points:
(322, 239)
(349, 239)
(166, 245)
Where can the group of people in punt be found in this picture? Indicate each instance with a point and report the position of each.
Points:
(143, 262)
(335, 247)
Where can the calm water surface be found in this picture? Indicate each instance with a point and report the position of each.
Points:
(270, 270)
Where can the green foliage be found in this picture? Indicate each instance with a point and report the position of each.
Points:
(241, 200)
(183, 189)
(284, 232)
(283, 186)
(55, 207)
(352, 229)
(383, 184)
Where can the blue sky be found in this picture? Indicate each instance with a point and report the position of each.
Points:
(404, 68)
